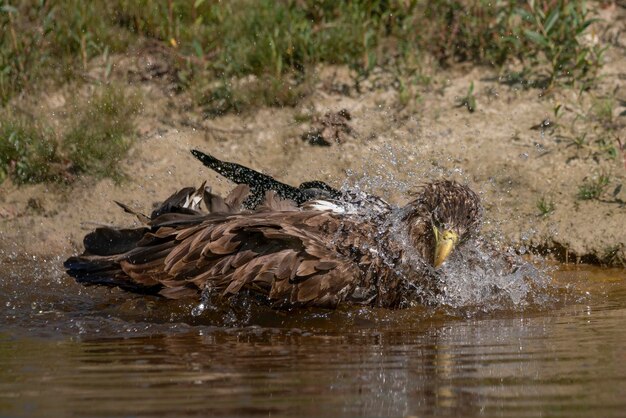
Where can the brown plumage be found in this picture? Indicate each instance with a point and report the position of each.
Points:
(289, 255)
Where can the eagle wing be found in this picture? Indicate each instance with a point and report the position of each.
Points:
(284, 255)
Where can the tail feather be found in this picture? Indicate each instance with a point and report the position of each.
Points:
(103, 271)
(99, 265)
(107, 241)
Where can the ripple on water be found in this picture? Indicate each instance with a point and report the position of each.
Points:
(69, 350)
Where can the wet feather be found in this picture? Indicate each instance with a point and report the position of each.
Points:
(292, 253)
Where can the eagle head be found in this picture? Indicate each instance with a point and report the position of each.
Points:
(443, 215)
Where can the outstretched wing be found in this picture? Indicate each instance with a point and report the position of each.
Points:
(261, 183)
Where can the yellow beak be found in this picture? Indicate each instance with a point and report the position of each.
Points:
(444, 244)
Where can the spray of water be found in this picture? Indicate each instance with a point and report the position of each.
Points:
(486, 277)
(482, 274)
(478, 274)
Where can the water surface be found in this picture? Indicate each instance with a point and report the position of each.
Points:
(66, 350)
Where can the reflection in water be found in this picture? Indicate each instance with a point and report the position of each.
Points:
(91, 352)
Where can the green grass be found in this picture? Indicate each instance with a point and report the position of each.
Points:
(593, 188)
(99, 134)
(239, 95)
(42, 41)
(283, 40)
(580, 141)
(545, 206)
(102, 132)
(553, 30)
(469, 100)
(27, 150)
(234, 55)
(602, 142)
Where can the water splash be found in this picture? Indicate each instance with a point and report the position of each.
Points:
(205, 302)
(482, 276)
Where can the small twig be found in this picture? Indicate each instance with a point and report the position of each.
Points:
(622, 149)
(16, 49)
(170, 19)
(83, 51)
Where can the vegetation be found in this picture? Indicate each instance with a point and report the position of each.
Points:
(545, 206)
(100, 134)
(593, 188)
(611, 256)
(469, 101)
(242, 53)
(554, 30)
(600, 139)
(280, 40)
(27, 150)
(98, 137)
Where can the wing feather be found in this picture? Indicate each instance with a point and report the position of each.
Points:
(275, 253)
(306, 268)
(235, 199)
(287, 268)
(226, 244)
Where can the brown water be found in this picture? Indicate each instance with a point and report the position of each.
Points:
(70, 351)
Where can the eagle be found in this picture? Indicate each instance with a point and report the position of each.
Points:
(287, 246)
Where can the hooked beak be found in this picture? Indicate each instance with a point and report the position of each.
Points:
(444, 244)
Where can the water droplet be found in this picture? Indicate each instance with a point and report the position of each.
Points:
(197, 311)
